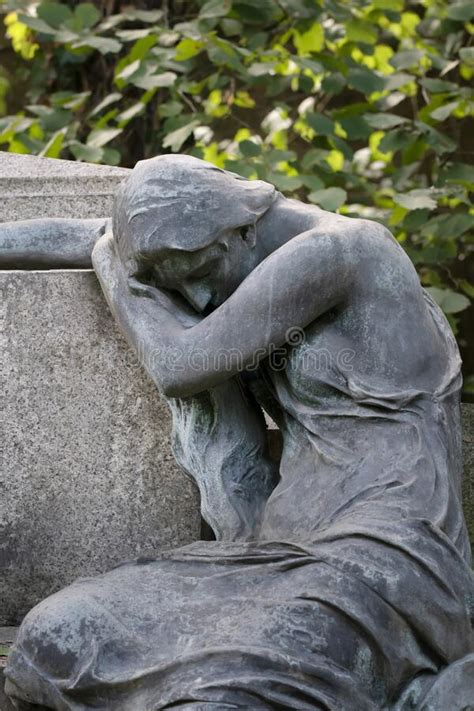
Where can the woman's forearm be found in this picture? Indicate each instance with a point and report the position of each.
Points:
(49, 243)
(151, 322)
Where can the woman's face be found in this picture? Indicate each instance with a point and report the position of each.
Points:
(206, 277)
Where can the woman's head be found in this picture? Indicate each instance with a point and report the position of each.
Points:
(191, 223)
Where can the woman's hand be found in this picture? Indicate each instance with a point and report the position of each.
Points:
(107, 265)
(119, 285)
(173, 303)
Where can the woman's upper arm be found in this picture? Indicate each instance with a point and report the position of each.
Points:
(306, 277)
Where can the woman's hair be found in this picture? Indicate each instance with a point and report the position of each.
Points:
(181, 202)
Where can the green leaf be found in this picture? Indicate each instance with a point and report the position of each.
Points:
(415, 200)
(335, 159)
(442, 113)
(360, 31)
(54, 146)
(170, 108)
(132, 35)
(249, 148)
(276, 156)
(230, 27)
(356, 127)
(147, 16)
(315, 156)
(393, 141)
(87, 14)
(130, 70)
(87, 153)
(215, 8)
(329, 199)
(449, 226)
(260, 69)
(4, 651)
(333, 83)
(439, 86)
(69, 100)
(395, 5)
(154, 81)
(312, 182)
(458, 173)
(310, 41)
(299, 9)
(341, 146)
(130, 113)
(463, 11)
(187, 49)
(256, 13)
(111, 156)
(54, 14)
(52, 119)
(365, 80)
(141, 48)
(285, 182)
(98, 138)
(36, 24)
(103, 44)
(440, 142)
(384, 121)
(397, 80)
(467, 55)
(223, 54)
(175, 139)
(449, 301)
(415, 219)
(320, 123)
(467, 287)
(406, 59)
(107, 101)
(241, 167)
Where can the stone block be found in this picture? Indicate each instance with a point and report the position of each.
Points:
(7, 638)
(33, 187)
(5, 703)
(88, 479)
(467, 417)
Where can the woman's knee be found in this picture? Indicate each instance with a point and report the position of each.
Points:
(54, 634)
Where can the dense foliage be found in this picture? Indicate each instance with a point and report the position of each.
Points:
(359, 106)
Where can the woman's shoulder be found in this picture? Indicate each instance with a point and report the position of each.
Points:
(365, 246)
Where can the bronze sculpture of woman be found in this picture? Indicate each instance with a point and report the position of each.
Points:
(340, 580)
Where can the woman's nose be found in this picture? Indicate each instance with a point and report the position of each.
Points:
(198, 295)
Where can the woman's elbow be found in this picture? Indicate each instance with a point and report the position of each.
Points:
(177, 385)
(171, 388)
(185, 383)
